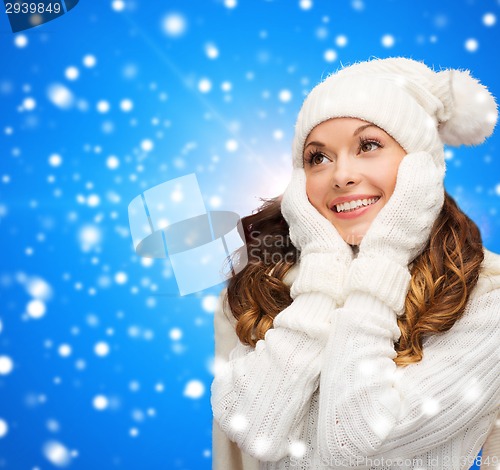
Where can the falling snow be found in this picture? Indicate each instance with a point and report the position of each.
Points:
(305, 4)
(64, 350)
(21, 41)
(100, 402)
(175, 334)
(126, 105)
(204, 85)
(4, 428)
(430, 407)
(387, 40)
(231, 145)
(60, 96)
(471, 45)
(112, 162)
(101, 349)
(194, 389)
(103, 106)
(212, 90)
(55, 160)
(298, 449)
(6, 365)
(72, 73)
(239, 423)
(118, 5)
(36, 309)
(489, 19)
(330, 55)
(174, 25)
(57, 454)
(211, 50)
(147, 145)
(89, 61)
(341, 41)
(209, 303)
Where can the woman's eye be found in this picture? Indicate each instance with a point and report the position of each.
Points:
(369, 145)
(317, 158)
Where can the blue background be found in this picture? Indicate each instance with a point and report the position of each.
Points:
(215, 88)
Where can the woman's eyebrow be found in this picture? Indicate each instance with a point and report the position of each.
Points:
(316, 144)
(362, 128)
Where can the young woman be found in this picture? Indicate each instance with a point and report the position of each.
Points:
(364, 331)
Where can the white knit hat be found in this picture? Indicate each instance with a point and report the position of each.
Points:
(421, 109)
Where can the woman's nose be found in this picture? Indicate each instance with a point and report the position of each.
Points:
(344, 172)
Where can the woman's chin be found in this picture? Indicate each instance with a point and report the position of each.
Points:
(353, 238)
(353, 235)
(354, 241)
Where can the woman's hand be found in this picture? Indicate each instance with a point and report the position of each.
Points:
(325, 256)
(400, 232)
(402, 228)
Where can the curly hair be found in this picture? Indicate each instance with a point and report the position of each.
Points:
(442, 277)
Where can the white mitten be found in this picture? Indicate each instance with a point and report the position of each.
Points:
(399, 233)
(324, 256)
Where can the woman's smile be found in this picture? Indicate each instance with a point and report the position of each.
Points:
(350, 207)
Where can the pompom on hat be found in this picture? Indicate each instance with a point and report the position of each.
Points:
(420, 108)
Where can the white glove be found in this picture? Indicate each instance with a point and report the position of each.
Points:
(399, 233)
(324, 256)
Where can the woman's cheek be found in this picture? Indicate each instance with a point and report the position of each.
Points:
(314, 191)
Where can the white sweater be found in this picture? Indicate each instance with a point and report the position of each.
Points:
(435, 414)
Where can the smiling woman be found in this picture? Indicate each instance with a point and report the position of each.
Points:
(351, 170)
(355, 343)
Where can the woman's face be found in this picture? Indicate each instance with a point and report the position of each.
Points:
(351, 168)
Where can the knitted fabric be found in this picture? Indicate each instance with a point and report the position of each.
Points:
(283, 403)
(324, 257)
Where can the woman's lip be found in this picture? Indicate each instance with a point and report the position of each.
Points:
(355, 213)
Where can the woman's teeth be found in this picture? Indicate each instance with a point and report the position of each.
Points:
(353, 205)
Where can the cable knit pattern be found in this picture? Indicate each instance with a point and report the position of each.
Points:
(420, 410)
(435, 414)
(325, 276)
(261, 396)
(382, 278)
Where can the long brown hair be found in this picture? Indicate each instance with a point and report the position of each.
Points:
(442, 277)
